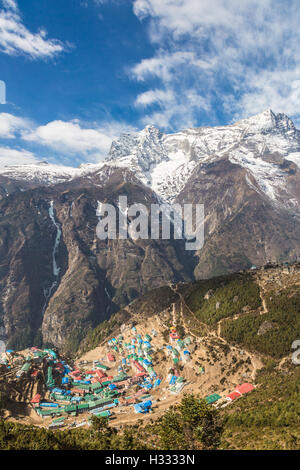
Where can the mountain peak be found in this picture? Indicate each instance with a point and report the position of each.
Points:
(267, 121)
(150, 131)
(150, 128)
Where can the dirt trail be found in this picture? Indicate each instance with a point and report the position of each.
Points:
(262, 297)
(183, 303)
(255, 360)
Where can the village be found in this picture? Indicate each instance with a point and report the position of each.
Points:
(135, 375)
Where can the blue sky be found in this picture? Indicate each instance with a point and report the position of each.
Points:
(80, 72)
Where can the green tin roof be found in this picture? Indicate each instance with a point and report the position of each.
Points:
(212, 398)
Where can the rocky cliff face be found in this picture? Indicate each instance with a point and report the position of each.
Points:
(57, 279)
(243, 226)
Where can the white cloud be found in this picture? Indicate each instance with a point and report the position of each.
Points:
(9, 156)
(10, 4)
(279, 90)
(70, 137)
(11, 125)
(154, 96)
(237, 57)
(165, 64)
(192, 16)
(74, 141)
(170, 110)
(15, 38)
(177, 103)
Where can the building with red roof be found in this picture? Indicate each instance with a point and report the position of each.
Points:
(141, 374)
(100, 374)
(244, 388)
(233, 396)
(139, 366)
(174, 336)
(36, 400)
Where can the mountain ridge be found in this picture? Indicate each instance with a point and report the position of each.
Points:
(160, 159)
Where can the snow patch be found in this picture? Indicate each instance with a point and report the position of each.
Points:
(43, 173)
(294, 157)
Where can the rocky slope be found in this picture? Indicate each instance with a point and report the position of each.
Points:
(57, 279)
(255, 310)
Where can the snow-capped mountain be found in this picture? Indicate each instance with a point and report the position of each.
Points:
(262, 144)
(42, 173)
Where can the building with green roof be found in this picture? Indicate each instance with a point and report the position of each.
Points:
(212, 398)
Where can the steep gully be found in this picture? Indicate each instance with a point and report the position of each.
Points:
(48, 291)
